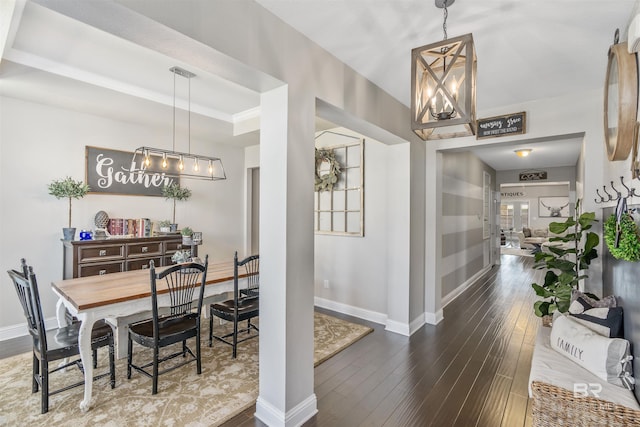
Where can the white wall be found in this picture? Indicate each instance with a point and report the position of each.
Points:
(356, 266)
(40, 143)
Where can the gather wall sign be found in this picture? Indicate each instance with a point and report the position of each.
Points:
(114, 172)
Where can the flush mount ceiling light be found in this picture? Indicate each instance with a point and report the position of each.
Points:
(524, 152)
(443, 86)
(177, 164)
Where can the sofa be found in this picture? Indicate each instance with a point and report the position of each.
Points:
(532, 238)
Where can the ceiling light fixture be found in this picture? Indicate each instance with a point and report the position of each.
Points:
(176, 164)
(443, 85)
(524, 152)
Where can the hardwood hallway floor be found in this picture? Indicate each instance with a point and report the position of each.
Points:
(470, 370)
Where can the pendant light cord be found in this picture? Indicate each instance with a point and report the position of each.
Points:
(174, 112)
(444, 23)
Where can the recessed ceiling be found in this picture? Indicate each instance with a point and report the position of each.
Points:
(526, 51)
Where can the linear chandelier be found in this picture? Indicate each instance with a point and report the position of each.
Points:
(177, 164)
(443, 86)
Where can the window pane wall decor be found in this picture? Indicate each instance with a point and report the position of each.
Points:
(339, 195)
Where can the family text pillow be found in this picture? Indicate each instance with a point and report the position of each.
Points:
(606, 358)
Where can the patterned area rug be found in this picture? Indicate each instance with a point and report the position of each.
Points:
(225, 388)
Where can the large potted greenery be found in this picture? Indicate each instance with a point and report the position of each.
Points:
(565, 262)
(70, 189)
(175, 193)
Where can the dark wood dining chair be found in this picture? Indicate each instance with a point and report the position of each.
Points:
(241, 307)
(58, 343)
(181, 323)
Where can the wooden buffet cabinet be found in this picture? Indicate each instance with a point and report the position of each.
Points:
(114, 254)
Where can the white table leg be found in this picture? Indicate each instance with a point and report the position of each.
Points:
(84, 342)
(61, 312)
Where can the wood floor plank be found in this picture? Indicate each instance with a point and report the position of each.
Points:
(515, 408)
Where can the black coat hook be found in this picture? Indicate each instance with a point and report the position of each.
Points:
(602, 200)
(610, 197)
(618, 194)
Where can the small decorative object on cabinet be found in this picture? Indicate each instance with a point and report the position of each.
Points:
(175, 193)
(187, 232)
(84, 258)
(165, 226)
(70, 189)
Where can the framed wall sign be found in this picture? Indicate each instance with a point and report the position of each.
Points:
(532, 175)
(555, 207)
(113, 172)
(512, 124)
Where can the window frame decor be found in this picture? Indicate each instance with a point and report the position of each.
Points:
(337, 180)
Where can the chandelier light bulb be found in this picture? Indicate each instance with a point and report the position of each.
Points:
(147, 160)
(164, 160)
(181, 163)
(195, 165)
(210, 168)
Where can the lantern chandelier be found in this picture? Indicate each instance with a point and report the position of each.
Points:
(443, 86)
(177, 164)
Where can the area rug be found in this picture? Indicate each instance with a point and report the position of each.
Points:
(225, 388)
(516, 251)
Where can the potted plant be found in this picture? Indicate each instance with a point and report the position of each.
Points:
(165, 226)
(175, 193)
(565, 263)
(70, 189)
(186, 232)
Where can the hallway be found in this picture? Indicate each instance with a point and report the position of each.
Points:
(471, 369)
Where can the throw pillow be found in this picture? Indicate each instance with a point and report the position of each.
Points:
(587, 302)
(607, 321)
(526, 231)
(606, 358)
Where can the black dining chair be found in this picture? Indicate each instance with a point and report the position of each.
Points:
(58, 343)
(241, 307)
(181, 323)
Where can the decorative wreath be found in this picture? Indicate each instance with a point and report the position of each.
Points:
(628, 247)
(327, 180)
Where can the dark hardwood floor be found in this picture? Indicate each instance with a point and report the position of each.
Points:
(470, 370)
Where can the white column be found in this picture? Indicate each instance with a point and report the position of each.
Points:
(433, 237)
(287, 163)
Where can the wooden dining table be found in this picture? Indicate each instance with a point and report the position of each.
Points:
(119, 295)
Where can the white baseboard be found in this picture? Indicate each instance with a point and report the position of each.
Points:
(350, 310)
(295, 417)
(460, 289)
(433, 318)
(398, 327)
(20, 330)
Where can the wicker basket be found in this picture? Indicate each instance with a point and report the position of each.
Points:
(555, 406)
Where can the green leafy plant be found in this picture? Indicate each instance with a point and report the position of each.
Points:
(566, 262)
(164, 223)
(68, 188)
(186, 231)
(175, 193)
(628, 247)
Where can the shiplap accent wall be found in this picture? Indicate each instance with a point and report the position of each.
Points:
(464, 251)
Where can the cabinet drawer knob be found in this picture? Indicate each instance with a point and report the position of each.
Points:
(145, 266)
(179, 246)
(103, 252)
(102, 272)
(145, 249)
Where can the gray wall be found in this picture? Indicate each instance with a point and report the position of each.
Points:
(620, 278)
(464, 250)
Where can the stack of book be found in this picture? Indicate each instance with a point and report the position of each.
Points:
(138, 227)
